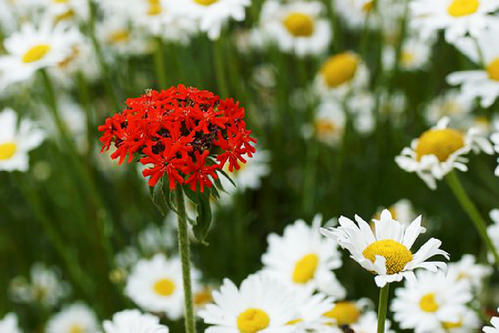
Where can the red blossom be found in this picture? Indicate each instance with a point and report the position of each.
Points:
(182, 133)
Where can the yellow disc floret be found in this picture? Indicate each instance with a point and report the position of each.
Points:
(119, 36)
(252, 320)
(305, 268)
(439, 142)
(299, 24)
(395, 253)
(164, 287)
(36, 53)
(493, 69)
(203, 297)
(449, 325)
(339, 69)
(155, 7)
(460, 8)
(344, 313)
(427, 303)
(205, 2)
(76, 329)
(7, 150)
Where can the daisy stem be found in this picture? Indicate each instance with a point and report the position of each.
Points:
(383, 307)
(184, 250)
(473, 213)
(218, 55)
(159, 63)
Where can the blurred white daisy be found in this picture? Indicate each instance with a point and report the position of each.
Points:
(329, 123)
(261, 304)
(356, 12)
(302, 258)
(368, 323)
(16, 140)
(340, 74)
(345, 313)
(53, 10)
(402, 211)
(483, 51)
(456, 17)
(360, 104)
(451, 104)
(386, 251)
(31, 48)
(433, 302)
(311, 311)
(156, 285)
(154, 239)
(414, 55)
(75, 318)
(250, 174)
(439, 150)
(9, 324)
(469, 270)
(495, 325)
(296, 27)
(132, 321)
(118, 37)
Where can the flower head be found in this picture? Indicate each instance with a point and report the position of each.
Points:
(495, 323)
(132, 321)
(185, 133)
(9, 323)
(74, 318)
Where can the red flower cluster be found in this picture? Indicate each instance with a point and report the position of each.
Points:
(185, 133)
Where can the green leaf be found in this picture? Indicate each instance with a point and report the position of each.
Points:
(204, 217)
(159, 198)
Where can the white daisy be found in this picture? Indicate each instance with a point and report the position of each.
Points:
(9, 324)
(117, 37)
(311, 311)
(132, 321)
(302, 258)
(250, 174)
(451, 104)
(402, 211)
(156, 285)
(495, 325)
(387, 251)
(468, 270)
(368, 323)
(440, 150)
(154, 239)
(296, 27)
(361, 104)
(340, 74)
(16, 141)
(329, 122)
(456, 17)
(356, 12)
(261, 304)
(74, 318)
(33, 48)
(211, 15)
(345, 313)
(414, 55)
(53, 10)
(433, 302)
(482, 83)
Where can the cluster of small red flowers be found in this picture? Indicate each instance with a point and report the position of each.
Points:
(185, 133)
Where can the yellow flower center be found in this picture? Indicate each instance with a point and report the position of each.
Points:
(459, 8)
(407, 58)
(7, 150)
(324, 127)
(60, 1)
(75, 328)
(206, 2)
(368, 6)
(493, 69)
(345, 313)
(67, 15)
(154, 7)
(340, 69)
(164, 287)
(252, 320)
(396, 254)
(119, 36)
(427, 303)
(299, 24)
(36, 53)
(203, 297)
(305, 268)
(448, 325)
(439, 142)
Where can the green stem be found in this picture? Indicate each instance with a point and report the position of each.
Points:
(383, 307)
(159, 63)
(218, 53)
(184, 250)
(473, 213)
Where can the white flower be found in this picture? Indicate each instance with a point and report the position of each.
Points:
(456, 17)
(74, 318)
(210, 15)
(495, 323)
(368, 323)
(451, 104)
(329, 122)
(250, 174)
(483, 82)
(468, 270)
(440, 150)
(16, 141)
(117, 37)
(302, 258)
(33, 48)
(433, 302)
(261, 304)
(402, 211)
(387, 251)
(311, 311)
(8, 324)
(53, 11)
(361, 105)
(296, 27)
(355, 12)
(156, 285)
(345, 313)
(414, 55)
(154, 239)
(132, 321)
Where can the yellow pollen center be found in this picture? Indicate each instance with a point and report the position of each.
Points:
(164, 287)
(154, 7)
(203, 297)
(60, 1)
(493, 69)
(427, 303)
(324, 127)
(206, 2)
(407, 58)
(345, 313)
(7, 150)
(459, 8)
(448, 325)
(339, 69)
(396, 254)
(368, 6)
(252, 320)
(36, 53)
(75, 328)
(305, 268)
(299, 24)
(119, 36)
(439, 142)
